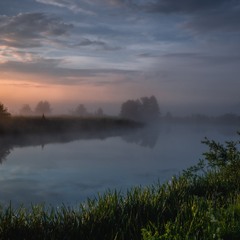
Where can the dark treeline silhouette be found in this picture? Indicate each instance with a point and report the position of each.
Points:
(4, 112)
(42, 108)
(145, 109)
(26, 110)
(82, 111)
(228, 118)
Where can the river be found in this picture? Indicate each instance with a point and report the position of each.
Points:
(69, 170)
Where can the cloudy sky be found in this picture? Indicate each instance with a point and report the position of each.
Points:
(103, 52)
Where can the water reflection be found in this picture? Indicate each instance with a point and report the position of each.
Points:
(144, 137)
(5, 150)
(147, 136)
(42, 169)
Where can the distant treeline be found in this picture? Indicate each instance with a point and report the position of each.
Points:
(227, 118)
(145, 109)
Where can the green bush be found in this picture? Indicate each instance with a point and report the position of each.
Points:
(209, 206)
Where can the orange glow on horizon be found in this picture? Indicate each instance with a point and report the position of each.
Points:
(18, 89)
(15, 93)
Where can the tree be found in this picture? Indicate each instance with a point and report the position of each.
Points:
(81, 111)
(131, 109)
(146, 109)
(43, 107)
(99, 112)
(4, 111)
(150, 109)
(26, 110)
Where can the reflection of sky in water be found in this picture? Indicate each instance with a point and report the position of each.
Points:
(73, 171)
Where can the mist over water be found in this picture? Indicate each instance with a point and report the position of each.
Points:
(69, 169)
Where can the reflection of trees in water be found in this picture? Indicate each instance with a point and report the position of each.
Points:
(5, 150)
(144, 137)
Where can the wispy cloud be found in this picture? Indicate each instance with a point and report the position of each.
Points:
(56, 74)
(73, 5)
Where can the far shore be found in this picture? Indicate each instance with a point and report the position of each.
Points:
(22, 125)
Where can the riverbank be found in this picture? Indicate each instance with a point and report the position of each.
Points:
(18, 125)
(203, 202)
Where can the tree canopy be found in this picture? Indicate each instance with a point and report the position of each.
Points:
(144, 109)
(43, 107)
(4, 111)
(81, 110)
(26, 110)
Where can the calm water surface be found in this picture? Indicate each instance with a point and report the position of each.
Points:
(70, 172)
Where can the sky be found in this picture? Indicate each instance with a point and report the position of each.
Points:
(101, 53)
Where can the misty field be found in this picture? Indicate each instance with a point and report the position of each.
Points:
(203, 202)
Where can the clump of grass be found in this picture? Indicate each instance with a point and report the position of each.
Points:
(201, 203)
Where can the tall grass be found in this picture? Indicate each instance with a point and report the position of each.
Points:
(201, 203)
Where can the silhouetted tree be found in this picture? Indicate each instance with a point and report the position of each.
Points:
(4, 111)
(99, 112)
(150, 110)
(131, 109)
(81, 111)
(26, 110)
(146, 109)
(43, 107)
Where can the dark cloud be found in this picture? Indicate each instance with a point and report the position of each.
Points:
(175, 6)
(14, 7)
(219, 20)
(186, 6)
(30, 29)
(202, 15)
(85, 42)
(206, 59)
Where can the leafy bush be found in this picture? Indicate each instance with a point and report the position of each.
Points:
(210, 207)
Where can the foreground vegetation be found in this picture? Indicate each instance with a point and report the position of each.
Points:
(201, 203)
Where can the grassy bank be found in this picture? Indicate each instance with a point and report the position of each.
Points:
(41, 125)
(203, 202)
